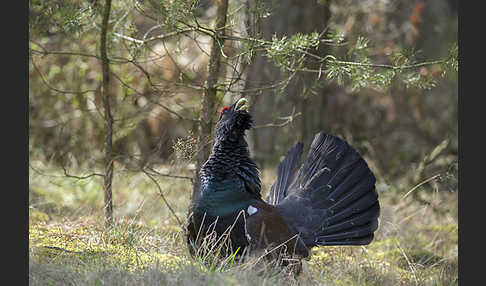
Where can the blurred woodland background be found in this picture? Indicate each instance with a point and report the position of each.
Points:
(394, 118)
(380, 73)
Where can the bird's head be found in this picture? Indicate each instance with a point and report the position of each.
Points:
(233, 121)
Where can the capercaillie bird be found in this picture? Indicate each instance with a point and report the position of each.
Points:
(330, 200)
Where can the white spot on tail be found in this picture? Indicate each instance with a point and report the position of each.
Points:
(252, 210)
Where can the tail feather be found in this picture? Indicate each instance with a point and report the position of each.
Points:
(360, 205)
(350, 241)
(353, 193)
(332, 200)
(352, 222)
(285, 174)
(356, 232)
(314, 162)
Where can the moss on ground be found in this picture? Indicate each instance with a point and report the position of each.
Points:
(415, 244)
(88, 243)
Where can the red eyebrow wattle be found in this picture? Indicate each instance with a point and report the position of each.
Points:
(224, 109)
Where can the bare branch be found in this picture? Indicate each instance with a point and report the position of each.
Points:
(153, 102)
(163, 197)
(286, 120)
(420, 184)
(169, 175)
(46, 82)
(79, 177)
(66, 174)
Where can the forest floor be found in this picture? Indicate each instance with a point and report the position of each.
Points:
(416, 242)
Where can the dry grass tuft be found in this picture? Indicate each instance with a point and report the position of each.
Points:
(416, 243)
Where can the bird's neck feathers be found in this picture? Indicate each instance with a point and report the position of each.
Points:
(230, 159)
(229, 179)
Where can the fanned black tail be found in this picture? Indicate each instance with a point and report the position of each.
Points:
(285, 175)
(332, 199)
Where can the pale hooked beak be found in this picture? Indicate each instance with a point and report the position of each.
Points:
(242, 104)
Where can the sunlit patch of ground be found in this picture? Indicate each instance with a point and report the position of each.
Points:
(416, 243)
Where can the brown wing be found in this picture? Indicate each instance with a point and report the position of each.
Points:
(267, 230)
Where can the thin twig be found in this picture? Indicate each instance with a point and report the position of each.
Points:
(65, 174)
(154, 38)
(169, 175)
(44, 80)
(420, 184)
(288, 119)
(80, 177)
(412, 267)
(163, 198)
(152, 101)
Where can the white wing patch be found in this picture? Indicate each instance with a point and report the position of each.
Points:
(252, 210)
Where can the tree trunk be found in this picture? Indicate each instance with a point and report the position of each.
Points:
(105, 64)
(209, 95)
(288, 18)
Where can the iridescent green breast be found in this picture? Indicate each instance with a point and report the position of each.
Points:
(223, 197)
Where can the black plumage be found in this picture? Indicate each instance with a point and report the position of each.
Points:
(330, 200)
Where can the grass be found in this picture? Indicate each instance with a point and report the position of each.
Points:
(415, 244)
